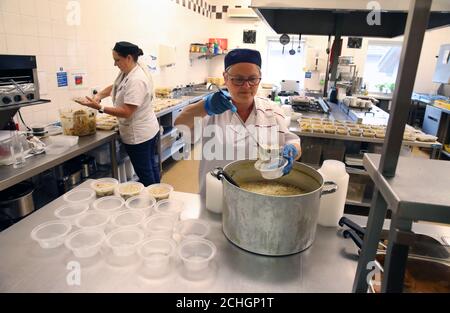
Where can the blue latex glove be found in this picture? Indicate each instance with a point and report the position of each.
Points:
(289, 153)
(218, 102)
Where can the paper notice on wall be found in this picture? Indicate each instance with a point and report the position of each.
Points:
(43, 85)
(151, 61)
(78, 79)
(61, 78)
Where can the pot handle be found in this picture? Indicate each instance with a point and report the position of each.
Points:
(220, 174)
(217, 173)
(350, 233)
(331, 190)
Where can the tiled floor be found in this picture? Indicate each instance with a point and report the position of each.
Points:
(182, 175)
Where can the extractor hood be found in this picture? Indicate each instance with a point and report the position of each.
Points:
(344, 17)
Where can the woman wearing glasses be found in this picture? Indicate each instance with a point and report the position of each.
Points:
(224, 139)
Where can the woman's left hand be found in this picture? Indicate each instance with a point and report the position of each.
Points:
(289, 153)
(89, 102)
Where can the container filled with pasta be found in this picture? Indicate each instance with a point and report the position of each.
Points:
(78, 122)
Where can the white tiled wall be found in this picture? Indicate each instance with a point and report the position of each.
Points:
(39, 27)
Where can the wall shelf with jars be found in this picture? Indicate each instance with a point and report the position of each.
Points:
(213, 48)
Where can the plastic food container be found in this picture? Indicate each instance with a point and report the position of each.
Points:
(156, 254)
(85, 243)
(144, 204)
(92, 220)
(196, 253)
(78, 196)
(272, 169)
(124, 241)
(160, 225)
(56, 148)
(128, 219)
(170, 206)
(51, 234)
(71, 212)
(64, 140)
(108, 205)
(355, 132)
(78, 122)
(160, 191)
(192, 228)
(129, 189)
(104, 186)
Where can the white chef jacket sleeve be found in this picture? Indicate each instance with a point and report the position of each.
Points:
(135, 93)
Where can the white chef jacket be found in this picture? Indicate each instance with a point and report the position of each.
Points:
(224, 139)
(136, 88)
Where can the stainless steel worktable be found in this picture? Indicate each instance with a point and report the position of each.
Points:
(25, 267)
(327, 266)
(420, 189)
(35, 165)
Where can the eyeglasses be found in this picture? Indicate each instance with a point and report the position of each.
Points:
(239, 81)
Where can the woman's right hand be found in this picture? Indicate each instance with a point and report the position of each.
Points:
(218, 102)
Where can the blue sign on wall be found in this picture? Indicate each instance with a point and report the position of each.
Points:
(307, 74)
(61, 77)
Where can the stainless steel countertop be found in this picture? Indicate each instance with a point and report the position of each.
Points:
(419, 189)
(35, 165)
(379, 96)
(327, 266)
(295, 128)
(184, 101)
(337, 114)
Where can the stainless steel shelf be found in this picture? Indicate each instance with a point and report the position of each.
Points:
(418, 191)
(356, 171)
(177, 145)
(357, 203)
(168, 133)
(296, 130)
(21, 105)
(35, 165)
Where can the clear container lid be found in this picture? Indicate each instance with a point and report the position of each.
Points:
(71, 211)
(196, 253)
(192, 228)
(85, 239)
(128, 218)
(51, 230)
(79, 195)
(160, 225)
(170, 206)
(143, 203)
(91, 220)
(157, 250)
(124, 241)
(109, 204)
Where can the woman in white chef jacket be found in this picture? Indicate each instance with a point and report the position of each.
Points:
(132, 94)
(223, 130)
